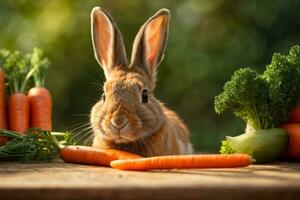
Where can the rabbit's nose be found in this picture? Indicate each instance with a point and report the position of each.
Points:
(119, 122)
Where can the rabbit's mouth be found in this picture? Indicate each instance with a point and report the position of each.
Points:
(121, 140)
(119, 136)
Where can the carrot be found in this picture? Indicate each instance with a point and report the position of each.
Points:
(18, 70)
(18, 107)
(184, 162)
(295, 115)
(93, 156)
(39, 97)
(40, 108)
(293, 149)
(3, 121)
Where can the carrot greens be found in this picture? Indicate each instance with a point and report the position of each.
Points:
(40, 65)
(35, 145)
(18, 71)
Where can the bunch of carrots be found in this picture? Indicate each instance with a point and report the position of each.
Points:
(28, 103)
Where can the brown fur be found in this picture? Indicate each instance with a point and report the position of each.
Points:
(148, 129)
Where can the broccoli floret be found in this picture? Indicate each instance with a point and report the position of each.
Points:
(264, 101)
(294, 56)
(247, 95)
(283, 78)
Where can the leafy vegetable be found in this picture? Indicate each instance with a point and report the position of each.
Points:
(247, 94)
(263, 101)
(35, 145)
(284, 85)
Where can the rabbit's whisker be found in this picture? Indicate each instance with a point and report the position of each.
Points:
(83, 135)
(89, 138)
(79, 128)
(75, 125)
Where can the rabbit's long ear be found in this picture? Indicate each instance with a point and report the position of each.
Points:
(107, 41)
(150, 42)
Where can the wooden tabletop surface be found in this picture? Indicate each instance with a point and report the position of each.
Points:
(69, 181)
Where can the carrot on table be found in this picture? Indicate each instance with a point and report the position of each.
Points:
(184, 162)
(293, 149)
(3, 120)
(93, 156)
(39, 97)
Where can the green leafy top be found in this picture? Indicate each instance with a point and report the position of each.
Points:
(35, 145)
(264, 101)
(24, 71)
(3, 55)
(247, 94)
(16, 67)
(40, 64)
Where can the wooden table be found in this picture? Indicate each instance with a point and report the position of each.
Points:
(69, 181)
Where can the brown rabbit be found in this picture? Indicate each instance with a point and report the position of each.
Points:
(129, 117)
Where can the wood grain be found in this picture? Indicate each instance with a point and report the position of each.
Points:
(69, 181)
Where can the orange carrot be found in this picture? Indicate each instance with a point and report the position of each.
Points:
(93, 156)
(39, 97)
(3, 121)
(40, 108)
(184, 162)
(293, 149)
(295, 115)
(18, 111)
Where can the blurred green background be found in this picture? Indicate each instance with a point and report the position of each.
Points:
(208, 40)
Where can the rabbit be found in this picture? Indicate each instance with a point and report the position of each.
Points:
(128, 117)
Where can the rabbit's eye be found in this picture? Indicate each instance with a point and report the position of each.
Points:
(145, 96)
(103, 97)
